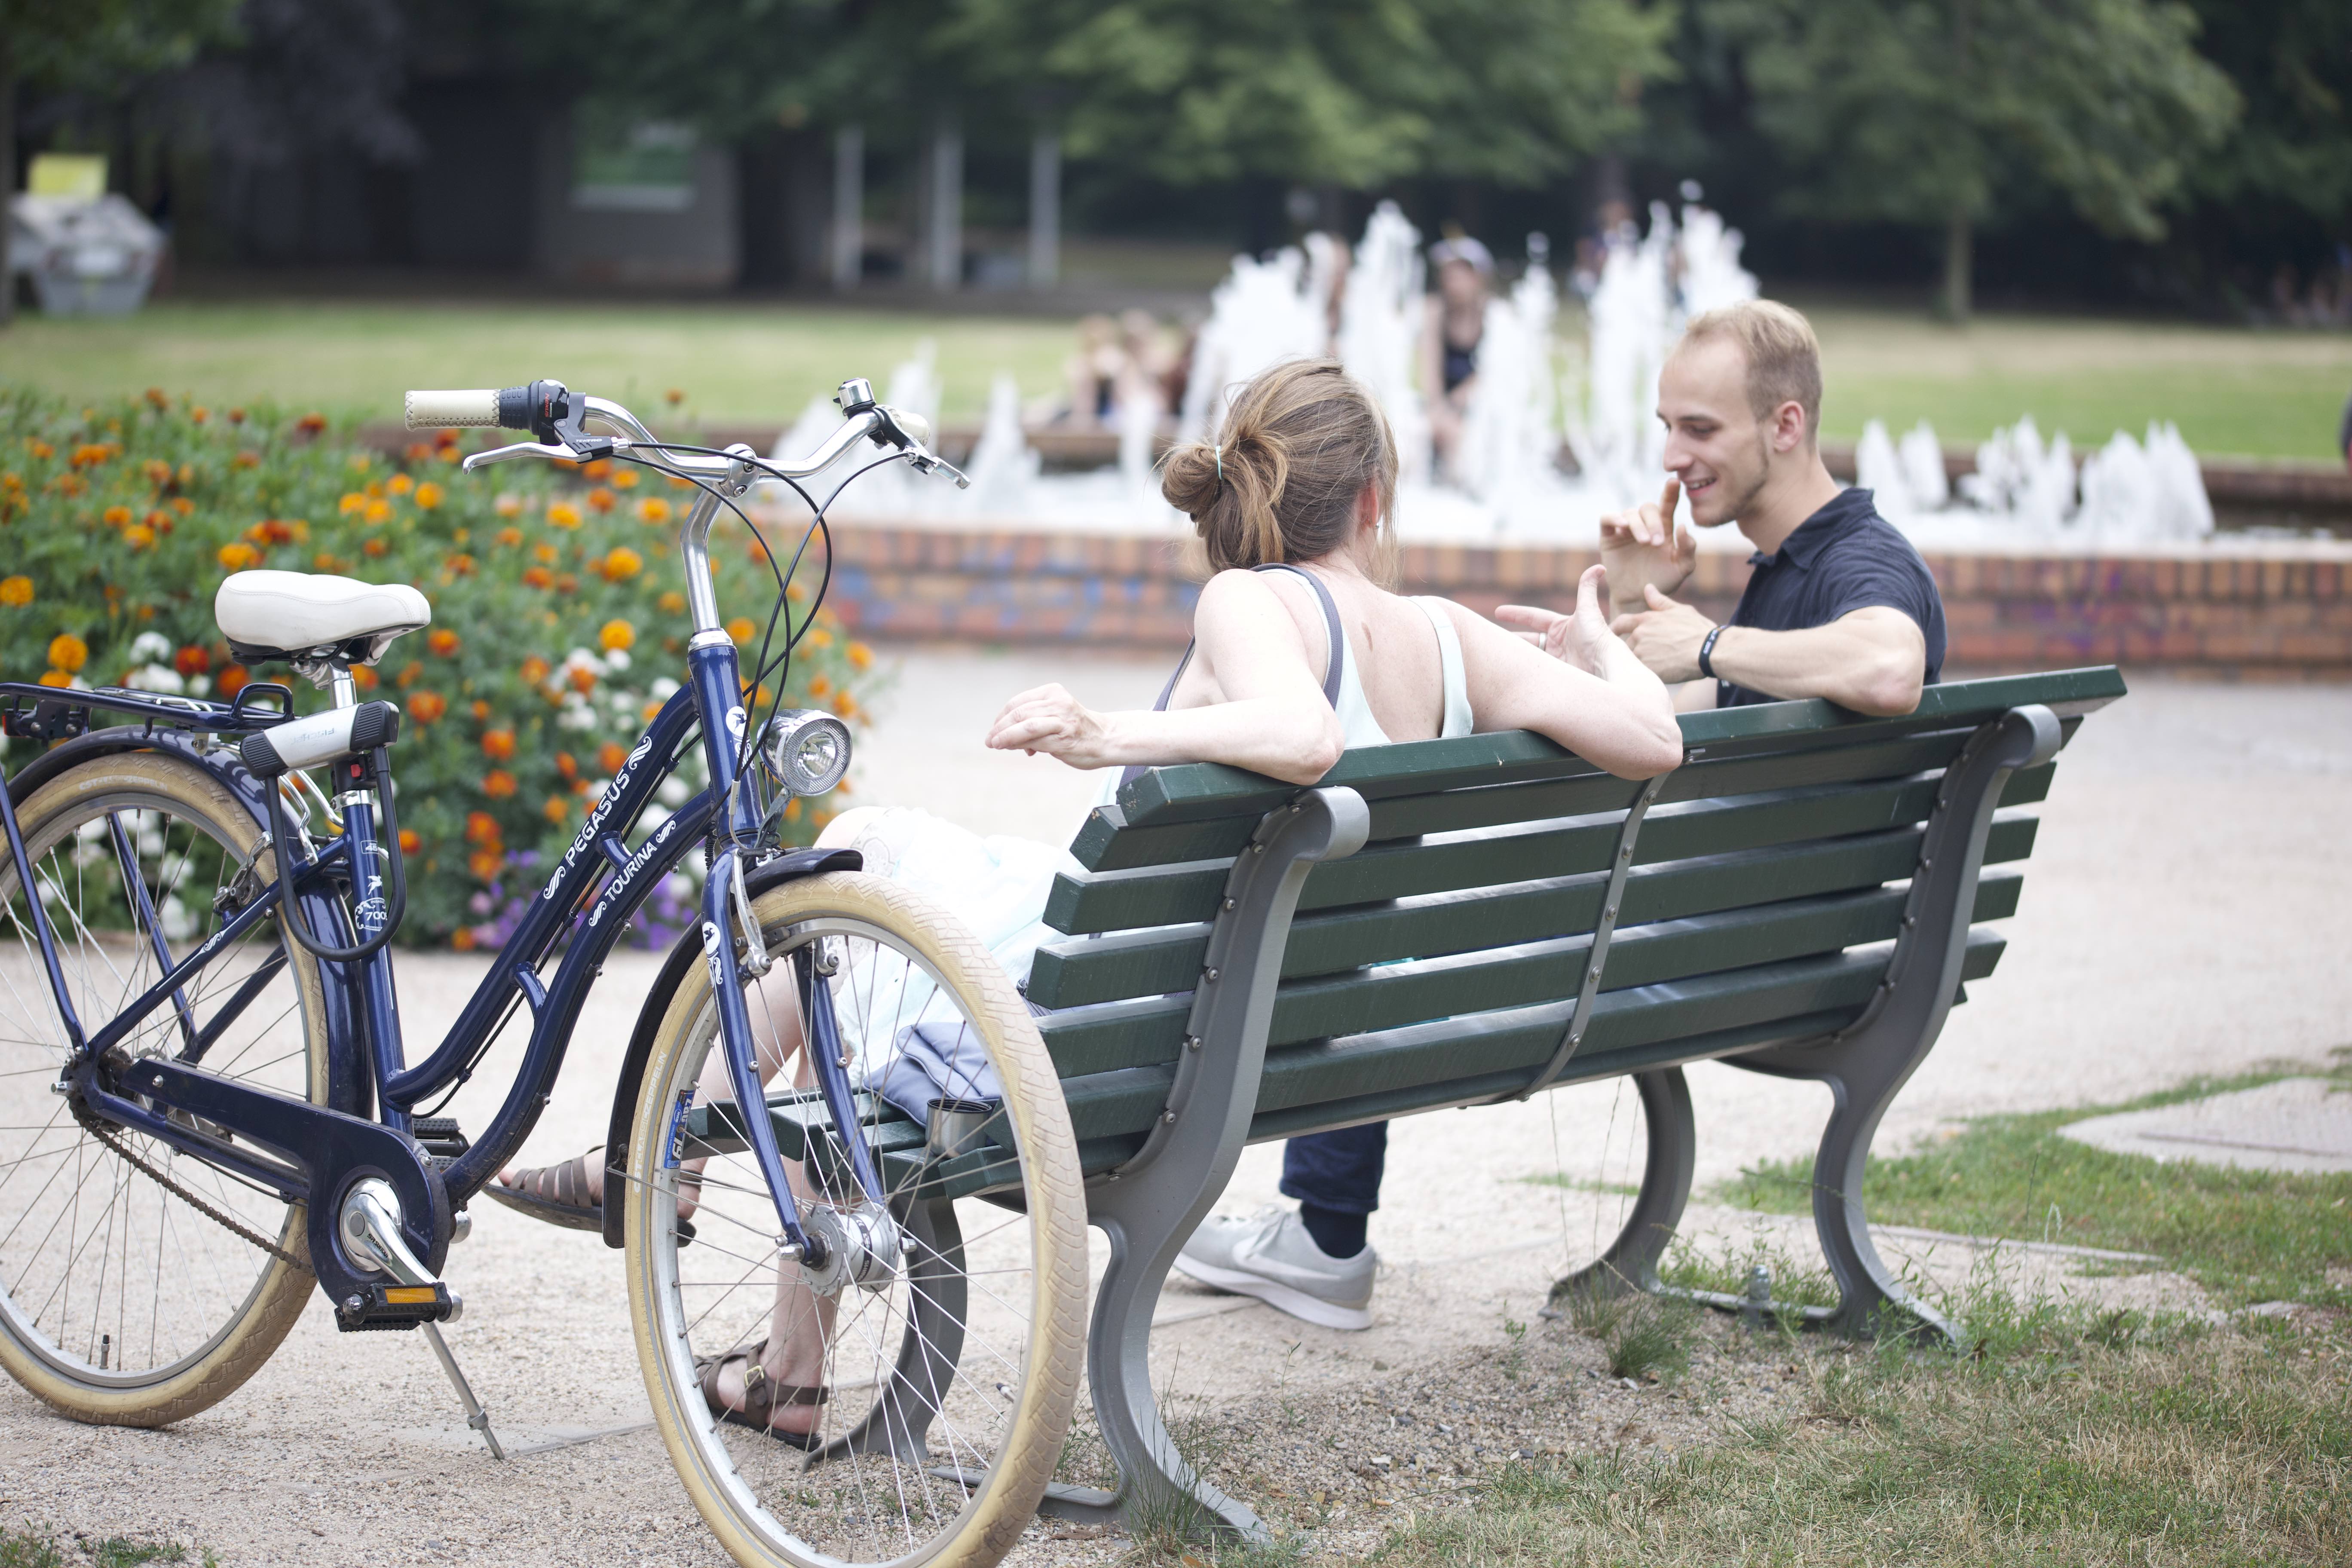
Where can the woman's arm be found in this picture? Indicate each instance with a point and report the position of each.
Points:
(1573, 680)
(1274, 720)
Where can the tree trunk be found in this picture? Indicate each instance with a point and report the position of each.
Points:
(1959, 240)
(943, 211)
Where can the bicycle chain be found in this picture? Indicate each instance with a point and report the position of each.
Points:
(201, 1207)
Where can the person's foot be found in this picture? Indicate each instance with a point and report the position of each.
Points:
(572, 1194)
(1271, 1256)
(745, 1390)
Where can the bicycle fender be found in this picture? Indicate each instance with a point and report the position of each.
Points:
(789, 867)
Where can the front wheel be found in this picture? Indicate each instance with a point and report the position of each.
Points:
(949, 1365)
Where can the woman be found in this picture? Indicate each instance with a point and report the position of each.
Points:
(1452, 333)
(1301, 651)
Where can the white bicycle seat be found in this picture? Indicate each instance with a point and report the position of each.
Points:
(271, 615)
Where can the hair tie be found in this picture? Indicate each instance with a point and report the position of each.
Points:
(1218, 452)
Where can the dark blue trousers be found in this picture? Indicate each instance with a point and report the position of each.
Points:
(1337, 1170)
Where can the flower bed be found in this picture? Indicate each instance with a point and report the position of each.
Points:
(559, 615)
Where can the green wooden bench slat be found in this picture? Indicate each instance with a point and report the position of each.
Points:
(1095, 902)
(1164, 959)
(1199, 790)
(1390, 1072)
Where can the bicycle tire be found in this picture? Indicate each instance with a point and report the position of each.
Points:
(970, 1521)
(70, 1364)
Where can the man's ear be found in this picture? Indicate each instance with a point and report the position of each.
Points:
(1789, 429)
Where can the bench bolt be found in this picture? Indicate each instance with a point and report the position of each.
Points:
(1169, 1116)
(1208, 974)
(1191, 1042)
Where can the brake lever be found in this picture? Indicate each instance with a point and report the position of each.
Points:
(928, 462)
(519, 449)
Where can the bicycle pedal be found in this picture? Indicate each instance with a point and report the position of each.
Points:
(438, 1136)
(394, 1307)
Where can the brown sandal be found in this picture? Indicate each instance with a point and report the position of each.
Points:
(762, 1396)
(559, 1194)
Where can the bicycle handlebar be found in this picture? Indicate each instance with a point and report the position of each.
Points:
(465, 410)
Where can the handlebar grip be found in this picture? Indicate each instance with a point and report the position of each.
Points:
(437, 410)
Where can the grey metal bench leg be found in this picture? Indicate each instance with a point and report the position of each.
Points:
(1870, 1060)
(1149, 1206)
(1631, 1261)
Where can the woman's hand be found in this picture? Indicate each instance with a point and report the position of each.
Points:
(1048, 719)
(1582, 640)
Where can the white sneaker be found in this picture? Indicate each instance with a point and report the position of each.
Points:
(1271, 1256)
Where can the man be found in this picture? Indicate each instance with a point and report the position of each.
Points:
(1840, 605)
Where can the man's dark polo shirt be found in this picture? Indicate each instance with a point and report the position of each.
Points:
(1845, 557)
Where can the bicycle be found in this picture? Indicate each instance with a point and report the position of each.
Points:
(206, 1104)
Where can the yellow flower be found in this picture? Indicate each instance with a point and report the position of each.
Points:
(563, 514)
(626, 479)
(860, 656)
(617, 634)
(623, 563)
(56, 678)
(117, 516)
(68, 652)
(653, 509)
(741, 629)
(139, 536)
(672, 602)
(819, 637)
(15, 592)
(429, 495)
(237, 555)
(352, 502)
(377, 511)
(401, 484)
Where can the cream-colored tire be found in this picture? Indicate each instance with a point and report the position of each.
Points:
(121, 1304)
(950, 1383)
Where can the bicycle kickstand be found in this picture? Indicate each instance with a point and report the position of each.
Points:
(477, 1416)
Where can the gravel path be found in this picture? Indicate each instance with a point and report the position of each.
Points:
(2183, 915)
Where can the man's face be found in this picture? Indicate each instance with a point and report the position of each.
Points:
(1714, 444)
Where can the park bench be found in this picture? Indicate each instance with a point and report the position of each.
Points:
(1448, 922)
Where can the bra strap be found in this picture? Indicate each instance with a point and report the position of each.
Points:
(1333, 664)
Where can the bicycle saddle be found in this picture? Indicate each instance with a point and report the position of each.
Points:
(270, 616)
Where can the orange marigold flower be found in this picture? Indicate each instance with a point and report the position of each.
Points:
(409, 842)
(792, 810)
(498, 783)
(679, 482)
(442, 640)
(757, 551)
(157, 472)
(481, 828)
(534, 671)
(860, 656)
(401, 484)
(819, 637)
(416, 452)
(377, 511)
(508, 506)
(563, 514)
(819, 687)
(233, 678)
(499, 745)
(364, 678)
(626, 479)
(653, 509)
(546, 553)
(375, 547)
(672, 602)
(623, 563)
(56, 677)
(192, 660)
(600, 499)
(567, 764)
(155, 396)
(312, 424)
(200, 414)
(459, 566)
(617, 634)
(327, 561)
(68, 652)
(89, 455)
(15, 592)
(237, 416)
(611, 755)
(583, 680)
(117, 516)
(139, 536)
(565, 583)
(845, 705)
(425, 707)
(741, 629)
(557, 808)
(537, 577)
(651, 711)
(484, 864)
(183, 505)
(600, 468)
(429, 495)
(237, 555)
(247, 459)
(480, 709)
(674, 397)
(510, 537)
(158, 517)
(353, 500)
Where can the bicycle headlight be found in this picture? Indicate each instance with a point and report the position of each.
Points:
(807, 750)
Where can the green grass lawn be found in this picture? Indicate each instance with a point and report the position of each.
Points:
(2231, 390)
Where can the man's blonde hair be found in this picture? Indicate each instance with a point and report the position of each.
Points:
(1784, 358)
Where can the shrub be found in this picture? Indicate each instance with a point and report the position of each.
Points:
(559, 618)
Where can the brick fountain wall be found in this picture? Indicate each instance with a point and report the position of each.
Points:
(2266, 609)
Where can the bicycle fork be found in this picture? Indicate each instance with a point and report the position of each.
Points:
(833, 1246)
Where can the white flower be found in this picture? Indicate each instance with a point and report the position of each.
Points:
(672, 791)
(156, 678)
(617, 658)
(151, 646)
(664, 688)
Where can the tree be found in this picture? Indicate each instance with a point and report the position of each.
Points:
(78, 43)
(1940, 112)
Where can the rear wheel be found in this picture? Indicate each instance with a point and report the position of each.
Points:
(951, 1372)
(126, 1296)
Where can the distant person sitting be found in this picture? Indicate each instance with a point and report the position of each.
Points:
(1839, 606)
(1450, 339)
(1093, 374)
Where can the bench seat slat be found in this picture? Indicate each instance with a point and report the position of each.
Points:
(1165, 959)
(1095, 902)
(1445, 1061)
(1202, 791)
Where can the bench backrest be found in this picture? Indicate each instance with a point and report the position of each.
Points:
(1440, 963)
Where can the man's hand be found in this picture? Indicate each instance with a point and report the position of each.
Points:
(1048, 719)
(1644, 548)
(1665, 636)
(1580, 639)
